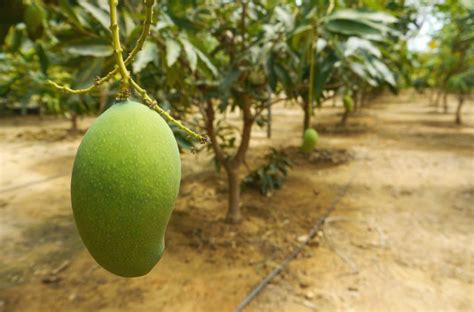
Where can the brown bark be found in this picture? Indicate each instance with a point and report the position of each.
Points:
(344, 118)
(355, 96)
(445, 102)
(232, 164)
(74, 125)
(458, 109)
(307, 116)
(233, 211)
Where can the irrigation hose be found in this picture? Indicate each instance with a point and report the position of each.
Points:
(311, 234)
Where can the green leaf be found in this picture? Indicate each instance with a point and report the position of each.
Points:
(101, 16)
(323, 70)
(229, 80)
(190, 53)
(91, 47)
(349, 27)
(87, 71)
(284, 16)
(385, 72)
(206, 61)
(43, 58)
(355, 15)
(173, 50)
(148, 54)
(354, 43)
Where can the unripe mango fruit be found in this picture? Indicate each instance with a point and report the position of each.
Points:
(348, 103)
(124, 185)
(310, 139)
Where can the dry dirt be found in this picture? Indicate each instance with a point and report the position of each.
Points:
(400, 240)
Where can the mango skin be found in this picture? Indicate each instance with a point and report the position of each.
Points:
(348, 103)
(310, 139)
(124, 185)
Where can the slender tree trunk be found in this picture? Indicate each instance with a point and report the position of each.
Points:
(307, 116)
(334, 100)
(445, 102)
(458, 109)
(233, 180)
(232, 164)
(432, 97)
(344, 118)
(437, 98)
(74, 126)
(269, 121)
(361, 97)
(356, 100)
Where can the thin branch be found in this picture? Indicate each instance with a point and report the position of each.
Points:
(114, 28)
(270, 103)
(246, 131)
(153, 104)
(243, 26)
(210, 115)
(138, 47)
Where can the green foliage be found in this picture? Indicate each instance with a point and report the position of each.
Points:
(271, 175)
(124, 185)
(34, 16)
(448, 66)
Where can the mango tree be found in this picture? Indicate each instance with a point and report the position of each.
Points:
(325, 41)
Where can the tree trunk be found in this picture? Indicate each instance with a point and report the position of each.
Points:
(437, 99)
(232, 165)
(233, 210)
(334, 100)
(344, 118)
(269, 113)
(458, 109)
(445, 102)
(307, 116)
(74, 126)
(362, 97)
(269, 121)
(355, 97)
(432, 96)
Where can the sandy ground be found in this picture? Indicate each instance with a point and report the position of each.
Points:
(400, 240)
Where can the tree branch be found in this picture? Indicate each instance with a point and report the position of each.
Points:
(153, 104)
(210, 116)
(246, 131)
(138, 47)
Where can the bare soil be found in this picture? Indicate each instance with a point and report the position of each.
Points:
(400, 240)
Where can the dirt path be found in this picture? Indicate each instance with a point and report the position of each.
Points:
(400, 240)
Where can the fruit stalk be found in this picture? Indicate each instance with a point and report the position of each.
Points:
(114, 28)
(138, 47)
(153, 104)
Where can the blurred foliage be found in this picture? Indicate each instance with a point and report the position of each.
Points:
(271, 175)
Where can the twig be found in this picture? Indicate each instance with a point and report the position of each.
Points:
(114, 28)
(138, 47)
(153, 104)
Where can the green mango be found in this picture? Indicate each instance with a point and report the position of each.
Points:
(310, 139)
(348, 103)
(124, 185)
